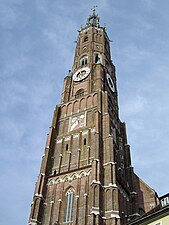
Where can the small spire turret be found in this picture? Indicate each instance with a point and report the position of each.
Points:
(93, 20)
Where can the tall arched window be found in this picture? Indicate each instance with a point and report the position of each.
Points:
(69, 205)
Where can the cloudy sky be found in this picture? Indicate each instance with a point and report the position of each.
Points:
(37, 43)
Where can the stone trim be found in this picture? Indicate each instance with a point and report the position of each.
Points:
(69, 178)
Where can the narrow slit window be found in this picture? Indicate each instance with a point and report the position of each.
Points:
(67, 146)
(96, 58)
(84, 142)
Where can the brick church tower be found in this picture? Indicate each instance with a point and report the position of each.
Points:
(86, 176)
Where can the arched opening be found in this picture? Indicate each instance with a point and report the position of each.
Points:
(79, 93)
(69, 205)
(83, 60)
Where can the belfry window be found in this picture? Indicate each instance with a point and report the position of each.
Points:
(69, 205)
(83, 61)
(97, 58)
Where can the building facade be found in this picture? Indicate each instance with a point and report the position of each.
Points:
(157, 216)
(86, 176)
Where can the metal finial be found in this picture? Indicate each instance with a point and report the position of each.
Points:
(93, 20)
(94, 9)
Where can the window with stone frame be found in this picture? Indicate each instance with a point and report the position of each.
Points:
(69, 205)
(83, 60)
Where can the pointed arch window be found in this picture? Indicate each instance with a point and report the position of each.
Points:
(83, 60)
(69, 205)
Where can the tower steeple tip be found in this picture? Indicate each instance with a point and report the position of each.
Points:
(93, 20)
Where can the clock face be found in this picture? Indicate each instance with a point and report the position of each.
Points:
(81, 74)
(110, 82)
(77, 122)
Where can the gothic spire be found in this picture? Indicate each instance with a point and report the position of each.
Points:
(93, 20)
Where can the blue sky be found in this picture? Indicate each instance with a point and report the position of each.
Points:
(36, 51)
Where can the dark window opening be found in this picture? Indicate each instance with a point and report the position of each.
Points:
(85, 39)
(67, 146)
(84, 142)
(97, 59)
(111, 130)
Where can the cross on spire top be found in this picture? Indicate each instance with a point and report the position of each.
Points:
(94, 9)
